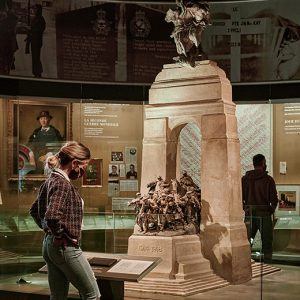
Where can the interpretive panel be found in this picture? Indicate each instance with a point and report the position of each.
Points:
(121, 204)
(286, 143)
(129, 266)
(112, 122)
(148, 46)
(100, 121)
(86, 44)
(129, 185)
(292, 222)
(113, 188)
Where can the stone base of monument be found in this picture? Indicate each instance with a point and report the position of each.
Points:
(183, 270)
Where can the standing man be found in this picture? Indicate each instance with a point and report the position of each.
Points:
(35, 37)
(12, 20)
(8, 40)
(260, 201)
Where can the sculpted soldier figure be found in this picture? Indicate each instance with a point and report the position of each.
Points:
(173, 208)
(190, 18)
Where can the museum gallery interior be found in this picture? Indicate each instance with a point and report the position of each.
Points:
(174, 99)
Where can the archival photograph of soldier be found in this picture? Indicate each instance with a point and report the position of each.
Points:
(169, 208)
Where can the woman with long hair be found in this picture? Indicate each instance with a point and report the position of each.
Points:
(58, 210)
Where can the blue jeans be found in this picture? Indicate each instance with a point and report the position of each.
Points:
(68, 265)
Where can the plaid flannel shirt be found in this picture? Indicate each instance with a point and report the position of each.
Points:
(58, 207)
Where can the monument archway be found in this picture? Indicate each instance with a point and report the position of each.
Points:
(175, 158)
(189, 152)
(201, 95)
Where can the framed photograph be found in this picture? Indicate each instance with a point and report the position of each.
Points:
(93, 175)
(288, 200)
(131, 172)
(113, 170)
(113, 188)
(36, 130)
(117, 156)
(122, 170)
(130, 155)
(129, 185)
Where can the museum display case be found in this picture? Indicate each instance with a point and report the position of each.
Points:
(268, 129)
(114, 132)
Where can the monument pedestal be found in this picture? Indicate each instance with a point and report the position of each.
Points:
(181, 255)
(183, 270)
(201, 96)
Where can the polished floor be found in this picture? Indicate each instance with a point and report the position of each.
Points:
(280, 285)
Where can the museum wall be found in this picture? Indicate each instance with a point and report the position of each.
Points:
(107, 129)
(112, 131)
(122, 132)
(270, 129)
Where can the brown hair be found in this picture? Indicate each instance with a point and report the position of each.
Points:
(68, 152)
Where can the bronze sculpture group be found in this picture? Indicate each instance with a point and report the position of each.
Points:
(169, 208)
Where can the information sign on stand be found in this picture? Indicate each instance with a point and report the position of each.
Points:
(127, 268)
(112, 270)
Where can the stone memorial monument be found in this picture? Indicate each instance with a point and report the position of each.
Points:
(216, 253)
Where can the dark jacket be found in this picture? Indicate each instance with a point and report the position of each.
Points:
(38, 26)
(52, 135)
(259, 191)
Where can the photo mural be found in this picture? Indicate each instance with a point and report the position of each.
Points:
(111, 41)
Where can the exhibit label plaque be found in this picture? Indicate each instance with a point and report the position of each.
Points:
(129, 266)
